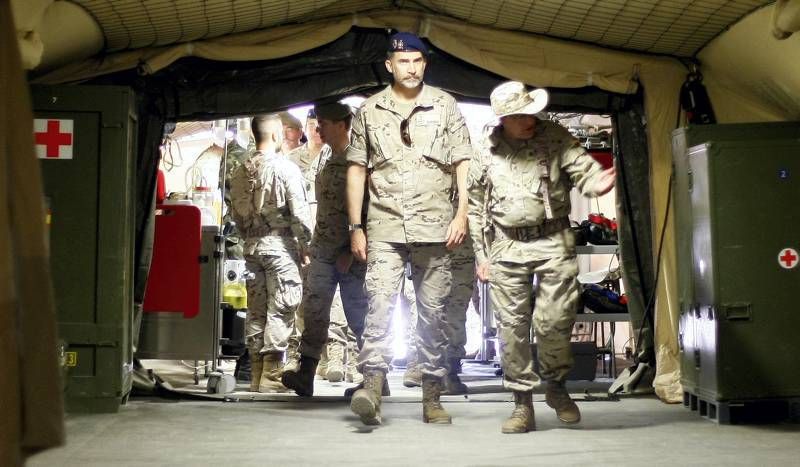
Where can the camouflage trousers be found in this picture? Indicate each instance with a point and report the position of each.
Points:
(408, 301)
(556, 298)
(339, 330)
(431, 275)
(321, 287)
(463, 266)
(462, 261)
(273, 295)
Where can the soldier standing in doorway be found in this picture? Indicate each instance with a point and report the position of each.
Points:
(270, 208)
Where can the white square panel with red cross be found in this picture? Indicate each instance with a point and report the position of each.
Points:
(53, 138)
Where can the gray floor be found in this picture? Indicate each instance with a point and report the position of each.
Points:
(287, 430)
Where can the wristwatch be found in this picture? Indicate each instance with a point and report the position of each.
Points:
(352, 227)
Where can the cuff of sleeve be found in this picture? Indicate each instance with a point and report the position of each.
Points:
(480, 257)
(461, 154)
(356, 156)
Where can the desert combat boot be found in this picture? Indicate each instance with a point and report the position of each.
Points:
(301, 379)
(366, 402)
(335, 371)
(432, 410)
(271, 370)
(521, 419)
(256, 366)
(557, 397)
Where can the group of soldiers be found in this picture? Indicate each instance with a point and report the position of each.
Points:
(404, 202)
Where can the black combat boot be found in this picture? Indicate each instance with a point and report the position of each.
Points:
(452, 383)
(301, 380)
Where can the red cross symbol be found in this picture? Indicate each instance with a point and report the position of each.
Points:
(788, 258)
(53, 139)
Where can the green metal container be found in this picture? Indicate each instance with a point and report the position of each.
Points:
(736, 203)
(91, 202)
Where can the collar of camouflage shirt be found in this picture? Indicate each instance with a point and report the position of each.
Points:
(386, 100)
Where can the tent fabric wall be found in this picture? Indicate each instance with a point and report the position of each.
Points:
(750, 75)
(30, 396)
(533, 59)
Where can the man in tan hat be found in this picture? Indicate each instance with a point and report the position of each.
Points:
(292, 133)
(518, 204)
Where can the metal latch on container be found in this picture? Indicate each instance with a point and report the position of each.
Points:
(202, 259)
(737, 311)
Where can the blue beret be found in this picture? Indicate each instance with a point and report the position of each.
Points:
(406, 42)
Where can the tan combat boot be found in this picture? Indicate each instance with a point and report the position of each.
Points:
(521, 419)
(335, 371)
(292, 361)
(557, 397)
(256, 365)
(432, 410)
(351, 373)
(385, 392)
(366, 402)
(301, 380)
(322, 366)
(271, 373)
(452, 383)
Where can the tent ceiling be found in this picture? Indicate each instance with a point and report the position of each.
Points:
(671, 27)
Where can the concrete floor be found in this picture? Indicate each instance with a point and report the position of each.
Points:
(287, 430)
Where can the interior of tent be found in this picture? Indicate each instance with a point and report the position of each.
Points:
(629, 59)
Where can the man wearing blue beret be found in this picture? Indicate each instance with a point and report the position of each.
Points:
(408, 143)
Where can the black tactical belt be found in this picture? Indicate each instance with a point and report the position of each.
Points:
(526, 234)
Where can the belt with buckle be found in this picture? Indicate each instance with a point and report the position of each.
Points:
(526, 234)
(265, 231)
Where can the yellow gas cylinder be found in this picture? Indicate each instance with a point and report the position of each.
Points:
(234, 287)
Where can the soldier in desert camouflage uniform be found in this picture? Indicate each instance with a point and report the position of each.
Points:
(332, 264)
(306, 157)
(342, 342)
(519, 194)
(411, 140)
(269, 206)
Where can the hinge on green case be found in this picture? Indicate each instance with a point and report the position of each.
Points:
(202, 259)
(690, 179)
(737, 311)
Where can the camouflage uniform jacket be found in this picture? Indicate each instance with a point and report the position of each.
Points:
(308, 165)
(331, 237)
(269, 204)
(504, 187)
(410, 188)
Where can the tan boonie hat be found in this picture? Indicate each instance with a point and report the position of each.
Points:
(290, 120)
(512, 98)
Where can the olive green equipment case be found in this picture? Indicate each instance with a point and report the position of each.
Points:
(736, 192)
(92, 210)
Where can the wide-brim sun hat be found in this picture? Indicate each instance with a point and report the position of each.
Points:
(512, 98)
